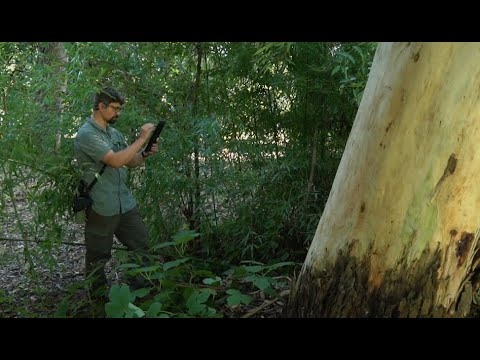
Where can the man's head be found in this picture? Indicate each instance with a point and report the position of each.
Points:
(109, 102)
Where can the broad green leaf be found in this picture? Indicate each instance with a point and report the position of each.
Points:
(135, 310)
(174, 263)
(114, 310)
(260, 282)
(195, 302)
(120, 295)
(204, 294)
(139, 293)
(164, 244)
(236, 298)
(210, 281)
(194, 306)
(347, 55)
(154, 310)
(151, 268)
(61, 311)
(204, 273)
(128, 266)
(184, 237)
(254, 269)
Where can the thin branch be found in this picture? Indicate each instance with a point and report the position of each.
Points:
(30, 166)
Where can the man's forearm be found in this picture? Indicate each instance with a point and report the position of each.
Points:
(126, 156)
(137, 160)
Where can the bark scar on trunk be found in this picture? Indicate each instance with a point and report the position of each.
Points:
(449, 170)
(463, 246)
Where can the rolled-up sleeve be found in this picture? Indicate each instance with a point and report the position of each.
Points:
(92, 144)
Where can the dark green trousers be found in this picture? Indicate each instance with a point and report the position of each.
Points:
(129, 229)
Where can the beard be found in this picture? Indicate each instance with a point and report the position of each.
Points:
(112, 120)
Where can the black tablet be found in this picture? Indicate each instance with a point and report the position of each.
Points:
(155, 135)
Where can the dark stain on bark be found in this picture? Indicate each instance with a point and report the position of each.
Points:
(342, 290)
(416, 56)
(388, 126)
(449, 170)
(451, 164)
(362, 208)
(463, 247)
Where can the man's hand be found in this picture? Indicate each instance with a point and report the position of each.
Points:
(153, 150)
(146, 131)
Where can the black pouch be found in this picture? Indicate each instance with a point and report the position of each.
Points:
(81, 203)
(81, 200)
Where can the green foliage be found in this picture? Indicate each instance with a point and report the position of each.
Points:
(354, 63)
(253, 139)
(196, 303)
(236, 298)
(62, 309)
(120, 305)
(6, 304)
(190, 287)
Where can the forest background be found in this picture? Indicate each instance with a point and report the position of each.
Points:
(254, 135)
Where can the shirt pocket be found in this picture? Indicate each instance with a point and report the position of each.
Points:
(117, 146)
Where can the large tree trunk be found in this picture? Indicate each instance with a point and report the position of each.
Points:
(399, 233)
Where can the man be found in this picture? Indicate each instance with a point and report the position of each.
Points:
(114, 210)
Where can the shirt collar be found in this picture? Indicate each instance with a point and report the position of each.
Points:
(96, 126)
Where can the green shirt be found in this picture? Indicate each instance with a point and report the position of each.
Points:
(110, 194)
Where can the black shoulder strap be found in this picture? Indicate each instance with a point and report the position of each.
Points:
(96, 178)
